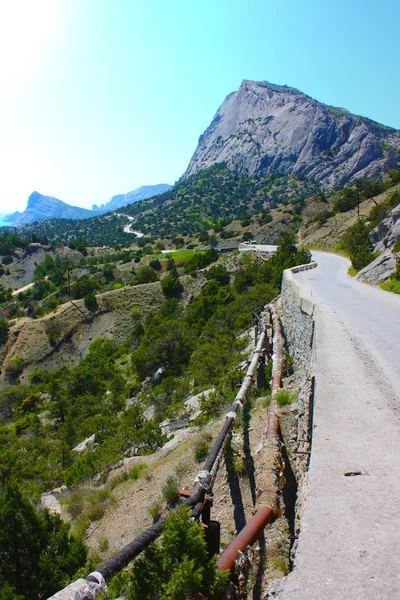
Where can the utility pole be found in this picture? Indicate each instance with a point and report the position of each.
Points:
(68, 282)
(358, 199)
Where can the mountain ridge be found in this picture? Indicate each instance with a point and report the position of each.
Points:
(267, 128)
(41, 207)
(141, 193)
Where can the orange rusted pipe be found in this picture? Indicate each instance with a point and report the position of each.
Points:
(245, 538)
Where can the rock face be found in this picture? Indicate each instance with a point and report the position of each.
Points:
(384, 238)
(141, 193)
(388, 231)
(266, 128)
(379, 270)
(41, 207)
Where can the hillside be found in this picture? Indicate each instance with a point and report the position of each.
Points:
(264, 128)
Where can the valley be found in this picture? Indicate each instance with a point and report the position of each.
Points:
(125, 338)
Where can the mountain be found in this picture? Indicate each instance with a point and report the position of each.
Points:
(265, 128)
(141, 193)
(42, 207)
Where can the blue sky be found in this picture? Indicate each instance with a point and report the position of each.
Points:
(99, 97)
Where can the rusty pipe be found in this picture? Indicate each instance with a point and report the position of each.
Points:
(249, 534)
(264, 513)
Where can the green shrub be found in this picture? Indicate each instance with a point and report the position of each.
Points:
(37, 553)
(87, 504)
(54, 329)
(201, 449)
(170, 492)
(15, 368)
(145, 275)
(392, 285)
(282, 565)
(282, 397)
(178, 567)
(155, 511)
(155, 264)
(104, 544)
(137, 471)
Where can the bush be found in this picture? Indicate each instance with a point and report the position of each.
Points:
(145, 275)
(201, 449)
(15, 368)
(83, 287)
(155, 511)
(171, 492)
(91, 302)
(155, 264)
(137, 471)
(391, 286)
(54, 330)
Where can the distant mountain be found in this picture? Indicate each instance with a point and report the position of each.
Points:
(264, 128)
(41, 207)
(141, 193)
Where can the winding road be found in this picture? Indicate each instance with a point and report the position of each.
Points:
(370, 314)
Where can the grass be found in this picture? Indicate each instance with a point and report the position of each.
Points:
(201, 449)
(393, 285)
(281, 563)
(282, 397)
(171, 491)
(182, 255)
(86, 505)
(137, 471)
(352, 271)
(155, 511)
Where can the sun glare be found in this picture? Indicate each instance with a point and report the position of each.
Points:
(26, 29)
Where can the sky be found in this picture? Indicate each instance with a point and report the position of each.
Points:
(99, 97)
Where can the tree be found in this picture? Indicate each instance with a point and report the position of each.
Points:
(37, 553)
(171, 285)
(145, 275)
(83, 287)
(91, 302)
(3, 330)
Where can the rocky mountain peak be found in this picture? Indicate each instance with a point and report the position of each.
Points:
(268, 128)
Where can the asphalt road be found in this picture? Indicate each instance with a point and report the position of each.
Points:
(349, 545)
(369, 313)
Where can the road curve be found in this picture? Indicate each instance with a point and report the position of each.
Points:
(370, 314)
(349, 545)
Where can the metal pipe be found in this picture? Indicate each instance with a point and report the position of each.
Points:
(266, 500)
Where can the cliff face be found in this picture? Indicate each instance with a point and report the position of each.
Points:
(268, 128)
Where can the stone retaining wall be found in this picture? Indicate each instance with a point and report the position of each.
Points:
(297, 308)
